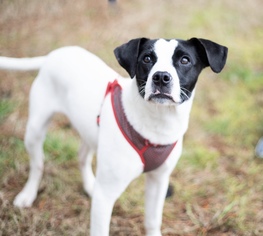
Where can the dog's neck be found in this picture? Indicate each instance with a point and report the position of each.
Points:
(158, 123)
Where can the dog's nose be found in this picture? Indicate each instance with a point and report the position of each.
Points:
(162, 78)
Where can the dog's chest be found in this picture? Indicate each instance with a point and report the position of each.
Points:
(152, 155)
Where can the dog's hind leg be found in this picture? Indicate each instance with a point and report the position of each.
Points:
(85, 161)
(34, 138)
(40, 113)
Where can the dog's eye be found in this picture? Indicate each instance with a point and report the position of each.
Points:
(185, 60)
(147, 59)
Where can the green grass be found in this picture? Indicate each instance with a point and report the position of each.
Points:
(201, 157)
(239, 113)
(6, 107)
(60, 147)
(11, 148)
(217, 182)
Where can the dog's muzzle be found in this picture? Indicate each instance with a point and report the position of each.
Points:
(161, 87)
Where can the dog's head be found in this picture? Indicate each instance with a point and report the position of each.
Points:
(166, 71)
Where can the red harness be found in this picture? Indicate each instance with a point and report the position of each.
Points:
(152, 155)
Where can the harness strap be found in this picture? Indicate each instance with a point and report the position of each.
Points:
(109, 89)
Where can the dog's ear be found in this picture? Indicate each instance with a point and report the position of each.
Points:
(212, 54)
(127, 54)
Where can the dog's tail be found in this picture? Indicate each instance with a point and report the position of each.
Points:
(22, 64)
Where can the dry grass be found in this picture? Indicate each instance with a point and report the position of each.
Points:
(217, 183)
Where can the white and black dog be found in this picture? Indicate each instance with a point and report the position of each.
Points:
(133, 125)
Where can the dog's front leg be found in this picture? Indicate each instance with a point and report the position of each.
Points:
(156, 189)
(157, 182)
(114, 173)
(101, 210)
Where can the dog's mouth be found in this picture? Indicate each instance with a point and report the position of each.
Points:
(161, 98)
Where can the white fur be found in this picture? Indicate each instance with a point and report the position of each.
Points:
(73, 81)
(8, 63)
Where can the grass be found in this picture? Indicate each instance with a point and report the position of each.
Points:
(6, 107)
(218, 182)
(60, 147)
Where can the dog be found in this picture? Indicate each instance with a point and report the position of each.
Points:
(155, 105)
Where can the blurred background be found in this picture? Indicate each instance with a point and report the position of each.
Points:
(218, 183)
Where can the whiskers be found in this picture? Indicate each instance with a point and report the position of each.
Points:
(142, 89)
(185, 94)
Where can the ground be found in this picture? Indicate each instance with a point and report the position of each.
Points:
(218, 183)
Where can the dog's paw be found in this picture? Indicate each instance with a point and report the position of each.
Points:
(24, 199)
(157, 233)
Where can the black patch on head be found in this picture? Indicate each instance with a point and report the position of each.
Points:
(137, 57)
(188, 67)
(127, 54)
(145, 61)
(191, 57)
